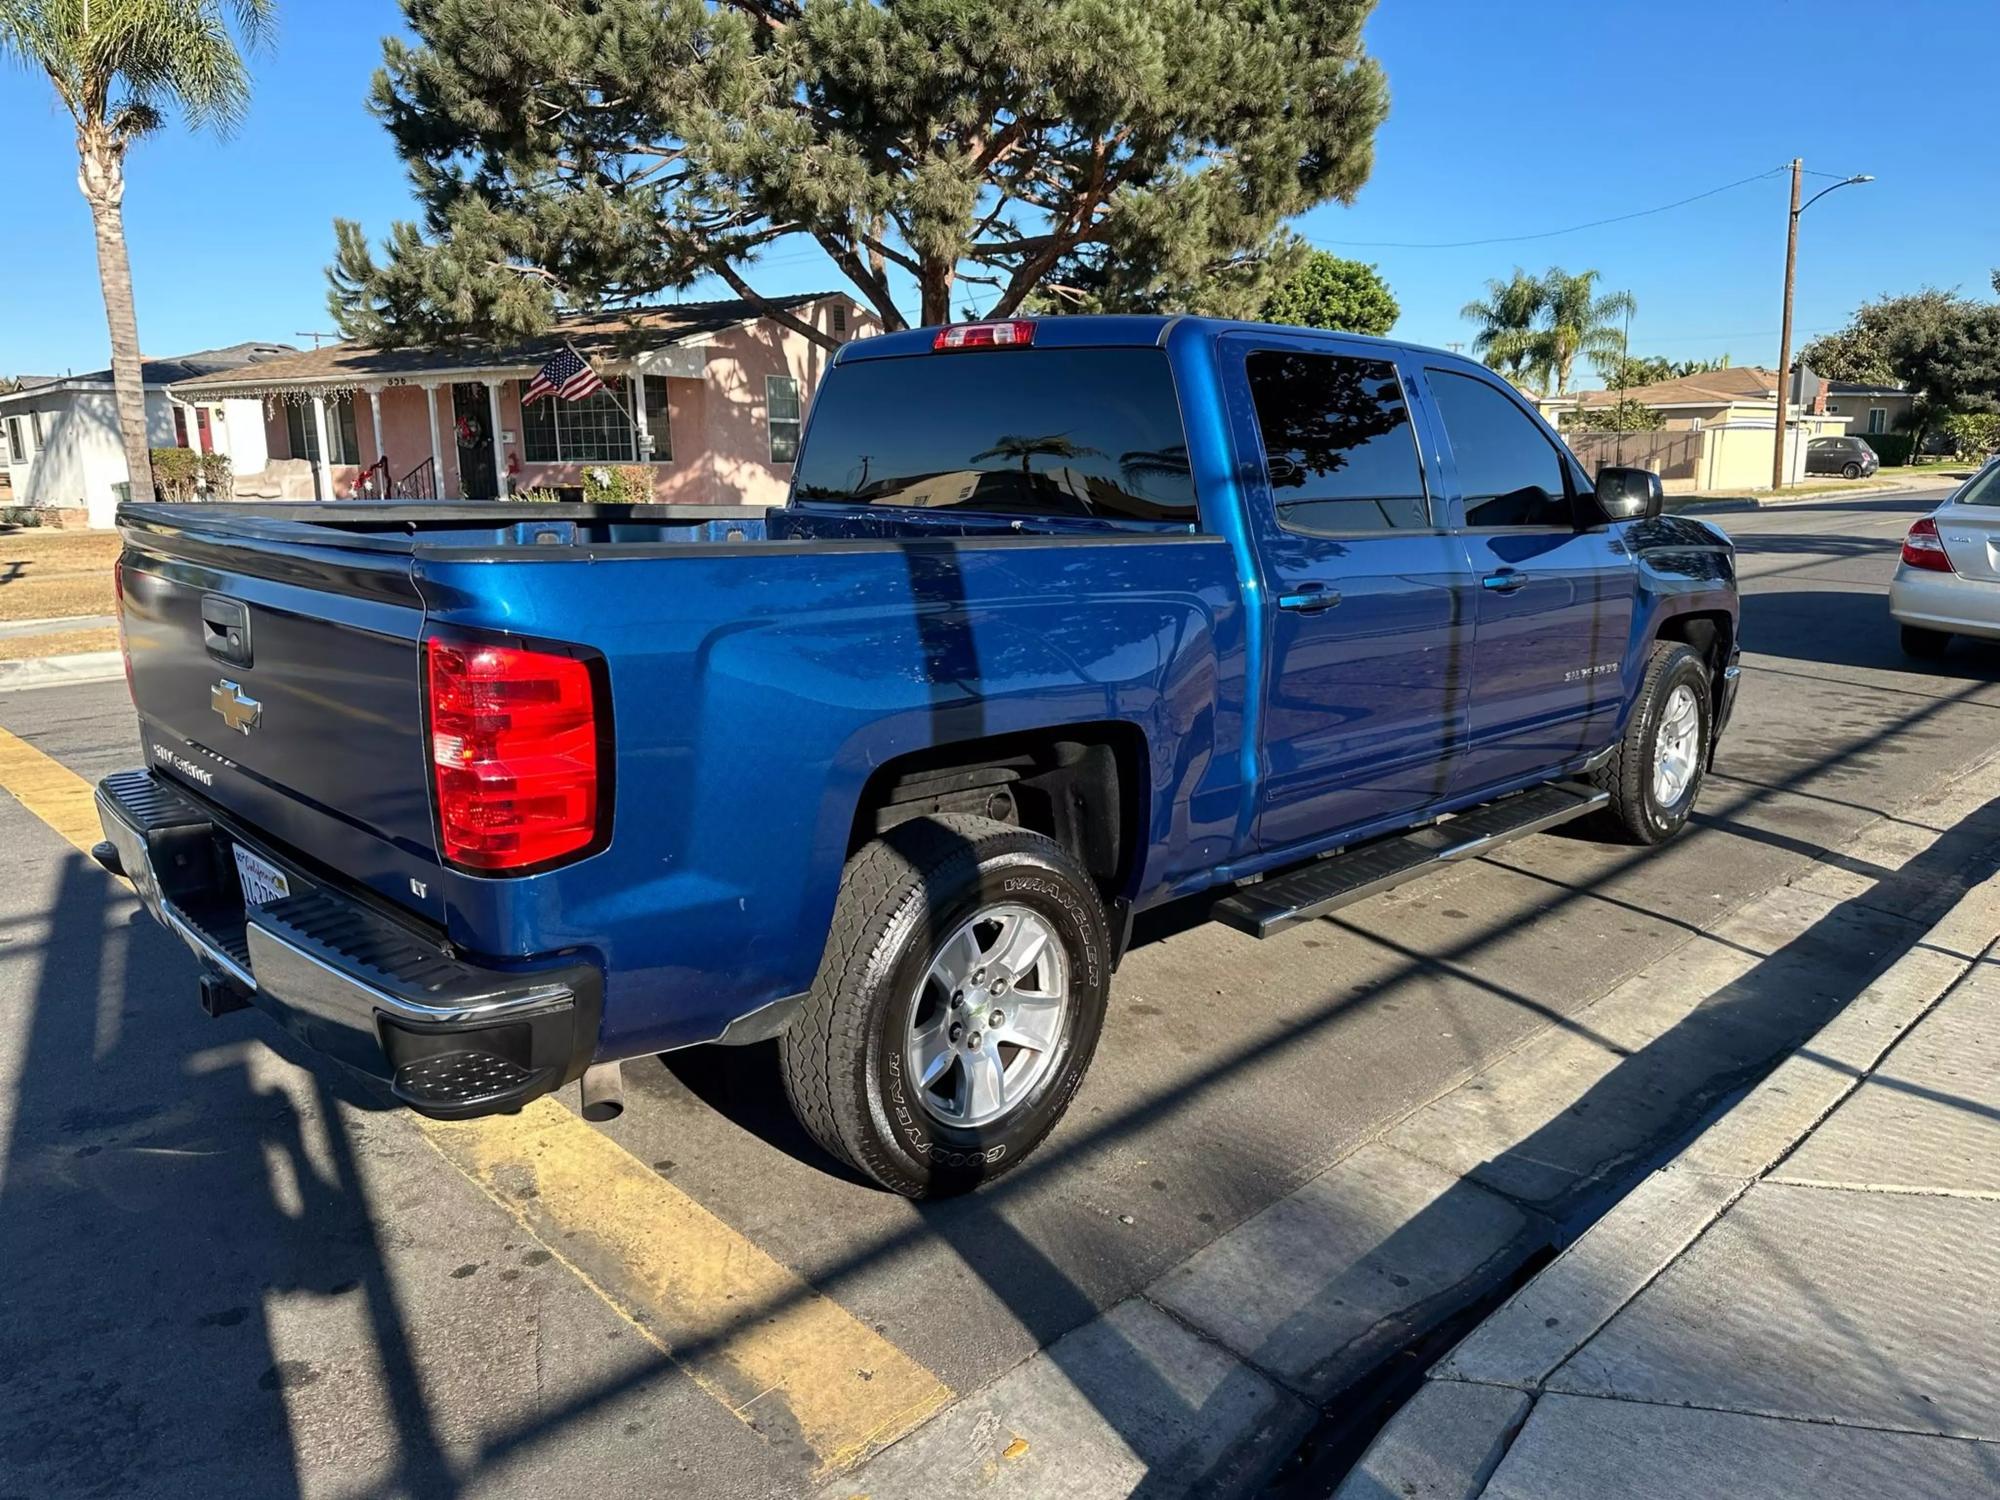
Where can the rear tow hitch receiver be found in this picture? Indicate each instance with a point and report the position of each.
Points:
(219, 996)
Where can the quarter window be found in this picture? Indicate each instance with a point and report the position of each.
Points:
(1339, 449)
(781, 402)
(1508, 471)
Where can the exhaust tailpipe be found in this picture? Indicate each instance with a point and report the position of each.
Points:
(603, 1086)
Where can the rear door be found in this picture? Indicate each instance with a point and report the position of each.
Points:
(1555, 599)
(1369, 626)
(1969, 525)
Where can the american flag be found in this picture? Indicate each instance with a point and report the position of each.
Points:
(566, 375)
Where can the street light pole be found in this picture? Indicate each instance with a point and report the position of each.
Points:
(1785, 333)
(1791, 277)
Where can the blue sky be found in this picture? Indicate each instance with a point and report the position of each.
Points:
(1506, 120)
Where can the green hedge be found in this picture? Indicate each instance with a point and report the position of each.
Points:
(1891, 447)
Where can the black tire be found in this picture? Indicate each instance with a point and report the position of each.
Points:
(1628, 775)
(1850, 471)
(843, 1055)
(1927, 644)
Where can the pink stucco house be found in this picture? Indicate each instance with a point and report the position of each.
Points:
(716, 393)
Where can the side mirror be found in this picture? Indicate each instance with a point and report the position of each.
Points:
(1629, 494)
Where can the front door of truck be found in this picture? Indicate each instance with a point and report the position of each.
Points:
(1368, 623)
(1554, 597)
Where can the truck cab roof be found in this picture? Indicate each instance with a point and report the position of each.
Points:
(1102, 330)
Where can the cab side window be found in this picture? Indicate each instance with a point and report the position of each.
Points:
(1509, 471)
(1339, 449)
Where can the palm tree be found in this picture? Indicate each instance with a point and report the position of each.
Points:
(1506, 318)
(1578, 321)
(117, 65)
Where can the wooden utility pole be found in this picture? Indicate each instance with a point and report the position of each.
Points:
(1785, 334)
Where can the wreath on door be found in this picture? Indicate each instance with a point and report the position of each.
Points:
(471, 432)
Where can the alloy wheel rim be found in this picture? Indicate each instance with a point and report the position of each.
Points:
(1677, 746)
(988, 1017)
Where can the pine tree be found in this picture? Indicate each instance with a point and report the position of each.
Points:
(1083, 153)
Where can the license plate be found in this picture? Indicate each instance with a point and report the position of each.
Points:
(262, 881)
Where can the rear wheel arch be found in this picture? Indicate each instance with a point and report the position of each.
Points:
(1088, 786)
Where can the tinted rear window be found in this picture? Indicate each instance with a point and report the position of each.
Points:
(1036, 432)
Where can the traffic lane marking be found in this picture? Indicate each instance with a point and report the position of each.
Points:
(791, 1364)
(50, 790)
(795, 1366)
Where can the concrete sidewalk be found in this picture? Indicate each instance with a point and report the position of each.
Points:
(1205, 1381)
(1805, 1302)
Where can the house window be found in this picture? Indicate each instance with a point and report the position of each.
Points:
(659, 429)
(840, 319)
(35, 421)
(781, 405)
(1878, 419)
(593, 430)
(1833, 408)
(304, 433)
(17, 446)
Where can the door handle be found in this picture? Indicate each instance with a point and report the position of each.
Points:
(1505, 581)
(1310, 599)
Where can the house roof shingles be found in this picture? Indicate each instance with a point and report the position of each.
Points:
(613, 336)
(226, 361)
(1710, 388)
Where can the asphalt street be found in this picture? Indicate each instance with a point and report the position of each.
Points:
(228, 1270)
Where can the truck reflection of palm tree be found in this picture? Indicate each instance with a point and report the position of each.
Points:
(1142, 464)
(1027, 449)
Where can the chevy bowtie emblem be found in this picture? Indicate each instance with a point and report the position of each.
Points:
(238, 711)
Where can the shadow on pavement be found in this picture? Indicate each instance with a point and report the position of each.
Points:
(160, 1192)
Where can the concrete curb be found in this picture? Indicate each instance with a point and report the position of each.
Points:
(1206, 1379)
(57, 624)
(1775, 502)
(1449, 1440)
(61, 671)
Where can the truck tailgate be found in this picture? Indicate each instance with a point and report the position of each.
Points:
(278, 678)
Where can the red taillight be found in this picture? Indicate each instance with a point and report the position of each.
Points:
(1924, 548)
(514, 744)
(124, 650)
(1014, 333)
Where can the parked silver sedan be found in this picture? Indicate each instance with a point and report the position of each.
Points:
(1948, 582)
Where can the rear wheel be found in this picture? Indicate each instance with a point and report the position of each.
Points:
(1655, 774)
(1850, 471)
(1928, 644)
(957, 1007)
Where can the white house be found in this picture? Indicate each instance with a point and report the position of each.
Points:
(59, 438)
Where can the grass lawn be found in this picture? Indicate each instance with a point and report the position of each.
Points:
(56, 643)
(46, 574)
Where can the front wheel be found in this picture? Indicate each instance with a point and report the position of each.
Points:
(1656, 772)
(957, 1007)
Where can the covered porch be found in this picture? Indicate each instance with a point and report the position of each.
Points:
(707, 398)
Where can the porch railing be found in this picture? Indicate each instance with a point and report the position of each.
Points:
(374, 481)
(419, 484)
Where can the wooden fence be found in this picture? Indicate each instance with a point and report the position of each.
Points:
(1671, 455)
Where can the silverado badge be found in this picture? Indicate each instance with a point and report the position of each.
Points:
(238, 711)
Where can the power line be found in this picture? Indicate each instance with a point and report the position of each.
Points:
(1547, 234)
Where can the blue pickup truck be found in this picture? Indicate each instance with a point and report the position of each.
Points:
(1064, 619)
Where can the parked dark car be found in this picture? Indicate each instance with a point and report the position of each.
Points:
(1849, 457)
